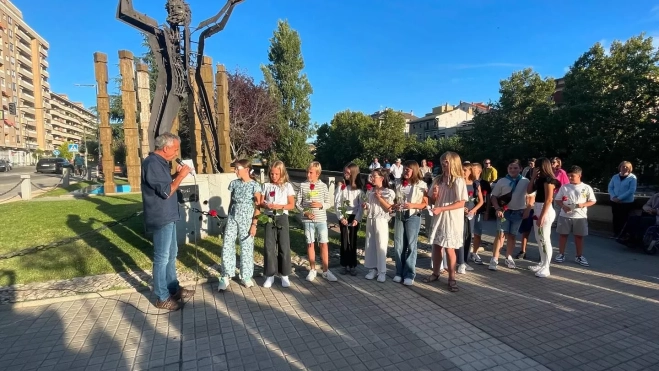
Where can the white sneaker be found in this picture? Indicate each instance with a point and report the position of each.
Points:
(493, 264)
(535, 268)
(408, 282)
(268, 282)
(312, 275)
(397, 279)
(249, 283)
(285, 282)
(510, 263)
(462, 268)
(224, 284)
(371, 274)
(581, 260)
(476, 259)
(382, 277)
(543, 273)
(328, 275)
(469, 268)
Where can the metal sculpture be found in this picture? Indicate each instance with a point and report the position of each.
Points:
(173, 54)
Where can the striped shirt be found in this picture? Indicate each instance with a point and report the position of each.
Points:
(305, 196)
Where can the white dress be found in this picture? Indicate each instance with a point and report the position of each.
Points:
(448, 226)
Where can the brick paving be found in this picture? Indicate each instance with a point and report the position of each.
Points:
(598, 318)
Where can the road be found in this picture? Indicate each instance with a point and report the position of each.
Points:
(9, 179)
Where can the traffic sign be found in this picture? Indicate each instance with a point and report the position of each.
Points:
(56, 152)
(73, 147)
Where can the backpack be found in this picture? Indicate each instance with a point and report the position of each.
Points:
(651, 240)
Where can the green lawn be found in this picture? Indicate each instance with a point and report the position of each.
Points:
(120, 248)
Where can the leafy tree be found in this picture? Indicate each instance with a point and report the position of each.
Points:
(385, 137)
(291, 90)
(453, 144)
(341, 141)
(252, 115)
(64, 151)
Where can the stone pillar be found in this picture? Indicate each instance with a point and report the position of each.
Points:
(222, 118)
(26, 187)
(144, 104)
(129, 104)
(175, 126)
(206, 71)
(195, 124)
(66, 177)
(103, 107)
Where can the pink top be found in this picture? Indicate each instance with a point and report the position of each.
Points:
(561, 176)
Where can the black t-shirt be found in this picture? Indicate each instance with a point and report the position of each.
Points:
(539, 187)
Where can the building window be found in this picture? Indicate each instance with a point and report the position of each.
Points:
(11, 47)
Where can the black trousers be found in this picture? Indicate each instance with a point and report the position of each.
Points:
(620, 213)
(277, 247)
(349, 243)
(463, 252)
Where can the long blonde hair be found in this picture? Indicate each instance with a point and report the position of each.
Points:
(283, 174)
(454, 168)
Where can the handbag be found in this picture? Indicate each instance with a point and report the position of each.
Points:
(504, 200)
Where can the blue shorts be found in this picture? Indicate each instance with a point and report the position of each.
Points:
(513, 219)
(527, 224)
(311, 229)
(477, 225)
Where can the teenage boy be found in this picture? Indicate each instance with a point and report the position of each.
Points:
(573, 198)
(313, 201)
(512, 190)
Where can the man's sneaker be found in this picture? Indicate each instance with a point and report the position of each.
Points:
(268, 282)
(312, 275)
(510, 263)
(169, 304)
(462, 268)
(183, 294)
(476, 259)
(559, 258)
(493, 264)
(582, 261)
(371, 274)
(285, 282)
(397, 279)
(382, 277)
(535, 268)
(408, 282)
(224, 284)
(328, 275)
(249, 283)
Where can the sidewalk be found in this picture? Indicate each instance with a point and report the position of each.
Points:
(598, 318)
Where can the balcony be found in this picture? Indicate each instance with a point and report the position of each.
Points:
(23, 59)
(25, 48)
(44, 62)
(25, 71)
(23, 35)
(26, 84)
(44, 73)
(31, 133)
(28, 97)
(49, 136)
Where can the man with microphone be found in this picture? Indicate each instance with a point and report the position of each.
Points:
(161, 212)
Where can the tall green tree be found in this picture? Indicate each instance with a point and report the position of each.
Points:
(342, 140)
(291, 89)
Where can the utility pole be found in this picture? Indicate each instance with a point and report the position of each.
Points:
(98, 119)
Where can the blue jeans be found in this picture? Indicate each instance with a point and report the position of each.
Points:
(165, 249)
(406, 235)
(513, 219)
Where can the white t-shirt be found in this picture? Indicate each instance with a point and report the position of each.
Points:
(518, 201)
(573, 194)
(397, 171)
(413, 194)
(278, 195)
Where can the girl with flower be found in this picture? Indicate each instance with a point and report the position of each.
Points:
(477, 226)
(448, 197)
(474, 202)
(347, 204)
(379, 200)
(241, 224)
(543, 183)
(278, 199)
(414, 199)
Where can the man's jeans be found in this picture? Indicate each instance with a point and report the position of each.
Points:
(165, 249)
(406, 233)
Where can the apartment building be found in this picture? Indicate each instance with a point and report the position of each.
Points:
(23, 82)
(70, 121)
(444, 121)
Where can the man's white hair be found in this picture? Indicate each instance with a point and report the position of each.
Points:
(166, 139)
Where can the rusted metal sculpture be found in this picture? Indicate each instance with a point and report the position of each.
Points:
(174, 55)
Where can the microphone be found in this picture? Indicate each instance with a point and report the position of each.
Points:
(180, 162)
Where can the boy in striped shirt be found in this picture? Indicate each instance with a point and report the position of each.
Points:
(313, 201)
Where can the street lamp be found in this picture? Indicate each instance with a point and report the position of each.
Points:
(98, 119)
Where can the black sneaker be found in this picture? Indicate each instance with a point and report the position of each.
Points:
(345, 270)
(353, 271)
(521, 255)
(170, 304)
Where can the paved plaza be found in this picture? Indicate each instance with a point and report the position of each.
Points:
(599, 318)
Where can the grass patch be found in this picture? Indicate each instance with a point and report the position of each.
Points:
(61, 191)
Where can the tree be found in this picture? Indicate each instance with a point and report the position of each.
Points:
(252, 115)
(64, 151)
(385, 137)
(342, 140)
(291, 90)
(519, 123)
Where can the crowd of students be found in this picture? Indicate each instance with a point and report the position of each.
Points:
(457, 200)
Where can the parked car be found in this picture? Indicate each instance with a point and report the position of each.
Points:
(4, 166)
(53, 165)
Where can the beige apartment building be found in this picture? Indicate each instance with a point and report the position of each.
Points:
(70, 121)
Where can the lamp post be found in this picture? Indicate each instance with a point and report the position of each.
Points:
(98, 119)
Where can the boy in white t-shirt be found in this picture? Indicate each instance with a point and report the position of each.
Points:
(573, 198)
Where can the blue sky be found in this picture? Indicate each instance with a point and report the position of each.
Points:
(361, 55)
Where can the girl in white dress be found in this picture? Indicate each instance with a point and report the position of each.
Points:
(448, 195)
(378, 204)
